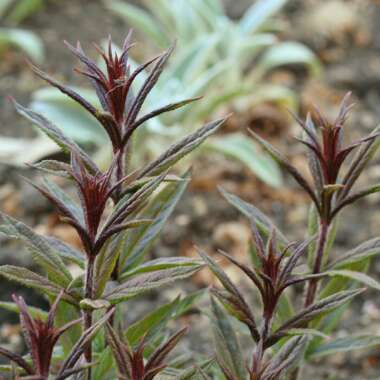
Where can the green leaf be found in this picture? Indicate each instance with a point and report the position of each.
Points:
(33, 280)
(149, 281)
(141, 20)
(24, 40)
(228, 349)
(35, 312)
(23, 9)
(141, 239)
(151, 323)
(258, 14)
(346, 344)
(362, 252)
(357, 276)
(75, 122)
(289, 53)
(159, 264)
(322, 307)
(239, 147)
(43, 253)
(312, 332)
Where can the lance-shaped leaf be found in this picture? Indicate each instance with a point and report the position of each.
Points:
(66, 251)
(180, 149)
(285, 358)
(33, 280)
(160, 264)
(121, 353)
(357, 276)
(54, 133)
(355, 197)
(86, 338)
(153, 322)
(149, 281)
(250, 211)
(42, 251)
(229, 353)
(140, 240)
(345, 344)
(18, 359)
(155, 362)
(159, 111)
(321, 307)
(236, 299)
(35, 312)
(287, 166)
(362, 252)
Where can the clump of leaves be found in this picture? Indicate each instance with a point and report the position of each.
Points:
(284, 335)
(119, 215)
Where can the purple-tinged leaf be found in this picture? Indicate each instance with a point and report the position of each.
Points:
(17, 359)
(287, 166)
(54, 133)
(263, 222)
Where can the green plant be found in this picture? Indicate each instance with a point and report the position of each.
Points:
(119, 215)
(14, 12)
(284, 333)
(225, 59)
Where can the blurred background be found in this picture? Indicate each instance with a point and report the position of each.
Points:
(256, 62)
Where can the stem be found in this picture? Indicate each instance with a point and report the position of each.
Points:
(87, 320)
(313, 284)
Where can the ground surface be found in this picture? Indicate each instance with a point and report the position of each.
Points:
(346, 37)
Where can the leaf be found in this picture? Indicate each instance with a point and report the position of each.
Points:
(232, 299)
(25, 40)
(140, 240)
(150, 324)
(55, 134)
(306, 331)
(285, 358)
(311, 312)
(289, 53)
(258, 14)
(181, 148)
(141, 20)
(346, 344)
(33, 311)
(149, 281)
(160, 264)
(357, 276)
(287, 166)
(363, 251)
(43, 253)
(69, 116)
(87, 336)
(249, 210)
(237, 146)
(33, 280)
(229, 352)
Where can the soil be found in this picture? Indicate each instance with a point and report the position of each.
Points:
(344, 34)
